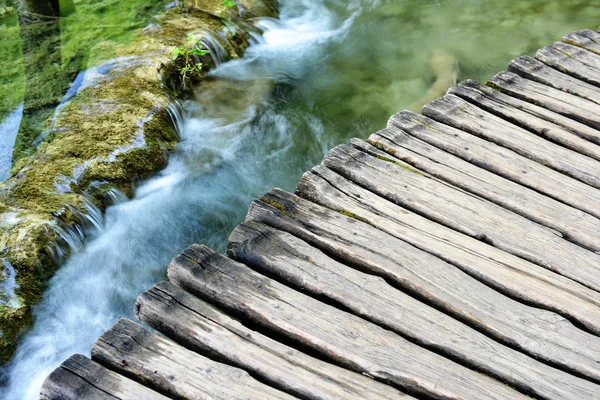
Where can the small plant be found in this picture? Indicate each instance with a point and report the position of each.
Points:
(229, 3)
(184, 57)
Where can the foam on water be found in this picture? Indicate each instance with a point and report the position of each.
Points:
(219, 166)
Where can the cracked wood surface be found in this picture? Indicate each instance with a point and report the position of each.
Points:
(370, 248)
(80, 378)
(454, 111)
(173, 370)
(298, 264)
(573, 224)
(338, 336)
(198, 326)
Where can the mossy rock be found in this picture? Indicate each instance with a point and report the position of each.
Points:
(113, 133)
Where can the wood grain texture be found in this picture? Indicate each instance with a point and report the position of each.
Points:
(339, 336)
(535, 70)
(377, 246)
(81, 378)
(574, 107)
(572, 60)
(513, 276)
(296, 263)
(171, 369)
(512, 110)
(467, 213)
(454, 111)
(575, 225)
(200, 327)
(586, 38)
(503, 162)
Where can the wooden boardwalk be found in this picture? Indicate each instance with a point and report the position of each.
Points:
(452, 255)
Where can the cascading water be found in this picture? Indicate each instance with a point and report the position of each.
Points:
(224, 160)
(8, 134)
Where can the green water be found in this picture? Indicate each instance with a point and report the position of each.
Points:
(40, 60)
(384, 64)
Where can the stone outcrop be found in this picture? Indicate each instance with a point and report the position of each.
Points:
(112, 130)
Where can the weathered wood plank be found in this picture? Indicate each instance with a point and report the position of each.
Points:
(560, 102)
(81, 378)
(581, 54)
(348, 340)
(199, 327)
(511, 275)
(500, 161)
(454, 111)
(572, 60)
(511, 109)
(535, 70)
(586, 38)
(383, 246)
(575, 225)
(467, 213)
(293, 261)
(173, 370)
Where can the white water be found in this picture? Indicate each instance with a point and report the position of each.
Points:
(220, 165)
(8, 134)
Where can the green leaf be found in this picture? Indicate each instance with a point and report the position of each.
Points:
(191, 40)
(229, 3)
(176, 52)
(200, 52)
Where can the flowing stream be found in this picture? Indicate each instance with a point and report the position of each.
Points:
(325, 71)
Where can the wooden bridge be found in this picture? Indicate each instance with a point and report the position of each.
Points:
(452, 255)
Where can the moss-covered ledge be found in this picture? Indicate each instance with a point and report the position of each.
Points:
(115, 131)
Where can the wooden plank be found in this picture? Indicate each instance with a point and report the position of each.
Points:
(573, 224)
(586, 38)
(301, 266)
(512, 110)
(471, 293)
(467, 213)
(535, 70)
(336, 335)
(200, 327)
(581, 54)
(166, 367)
(500, 161)
(572, 60)
(454, 111)
(519, 279)
(81, 378)
(560, 102)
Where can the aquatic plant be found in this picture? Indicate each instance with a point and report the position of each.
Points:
(185, 58)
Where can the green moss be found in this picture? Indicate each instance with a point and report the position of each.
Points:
(408, 168)
(114, 131)
(355, 216)
(382, 147)
(275, 204)
(498, 88)
(510, 93)
(391, 151)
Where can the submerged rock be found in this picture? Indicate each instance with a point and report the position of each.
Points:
(112, 129)
(445, 68)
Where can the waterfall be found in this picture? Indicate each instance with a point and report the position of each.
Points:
(230, 152)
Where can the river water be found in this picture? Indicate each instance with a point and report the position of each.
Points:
(334, 69)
